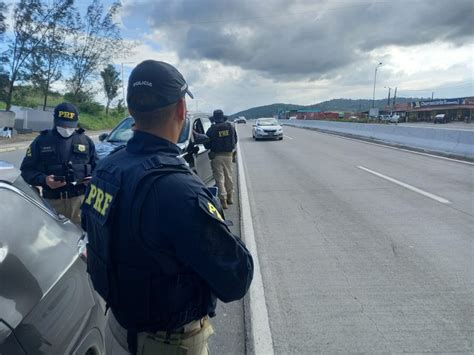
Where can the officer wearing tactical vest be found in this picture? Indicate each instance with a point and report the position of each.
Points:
(160, 252)
(223, 139)
(61, 161)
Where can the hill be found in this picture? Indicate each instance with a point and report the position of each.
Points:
(347, 105)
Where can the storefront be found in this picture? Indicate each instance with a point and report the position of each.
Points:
(458, 109)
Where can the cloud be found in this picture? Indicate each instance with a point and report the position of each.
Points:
(303, 38)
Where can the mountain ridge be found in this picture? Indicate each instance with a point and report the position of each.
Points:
(346, 105)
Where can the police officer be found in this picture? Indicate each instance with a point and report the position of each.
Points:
(159, 249)
(61, 161)
(223, 139)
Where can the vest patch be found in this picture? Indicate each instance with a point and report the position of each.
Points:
(100, 198)
(225, 133)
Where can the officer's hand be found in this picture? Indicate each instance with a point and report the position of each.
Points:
(54, 184)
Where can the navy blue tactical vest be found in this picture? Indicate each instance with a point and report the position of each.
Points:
(79, 157)
(222, 138)
(145, 293)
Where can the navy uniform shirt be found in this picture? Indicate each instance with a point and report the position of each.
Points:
(179, 215)
(32, 167)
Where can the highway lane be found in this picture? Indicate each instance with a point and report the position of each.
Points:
(355, 262)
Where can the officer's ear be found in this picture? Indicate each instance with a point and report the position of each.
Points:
(181, 109)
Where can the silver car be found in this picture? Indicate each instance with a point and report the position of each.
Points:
(267, 128)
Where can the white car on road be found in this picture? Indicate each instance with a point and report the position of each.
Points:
(267, 128)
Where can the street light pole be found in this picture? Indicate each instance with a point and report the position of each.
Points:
(375, 80)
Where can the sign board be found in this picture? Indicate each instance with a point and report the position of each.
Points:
(442, 102)
(374, 112)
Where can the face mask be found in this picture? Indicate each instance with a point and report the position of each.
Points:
(65, 132)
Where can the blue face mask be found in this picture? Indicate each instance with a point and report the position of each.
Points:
(65, 132)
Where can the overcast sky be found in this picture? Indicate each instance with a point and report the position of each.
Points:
(236, 54)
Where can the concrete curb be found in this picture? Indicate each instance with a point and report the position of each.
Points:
(259, 340)
(456, 147)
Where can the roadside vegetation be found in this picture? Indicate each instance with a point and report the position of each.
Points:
(52, 41)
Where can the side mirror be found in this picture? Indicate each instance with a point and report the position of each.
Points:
(103, 136)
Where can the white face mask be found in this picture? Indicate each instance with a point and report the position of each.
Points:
(65, 132)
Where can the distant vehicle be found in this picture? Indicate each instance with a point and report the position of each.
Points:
(240, 119)
(193, 150)
(292, 118)
(394, 118)
(47, 303)
(441, 118)
(267, 128)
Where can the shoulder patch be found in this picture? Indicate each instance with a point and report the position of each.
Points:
(210, 209)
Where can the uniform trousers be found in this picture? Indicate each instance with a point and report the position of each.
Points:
(222, 171)
(191, 340)
(68, 207)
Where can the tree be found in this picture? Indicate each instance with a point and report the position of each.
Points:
(3, 25)
(46, 62)
(31, 23)
(97, 40)
(111, 79)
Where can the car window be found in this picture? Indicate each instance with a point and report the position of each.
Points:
(34, 252)
(123, 132)
(268, 122)
(198, 127)
(206, 123)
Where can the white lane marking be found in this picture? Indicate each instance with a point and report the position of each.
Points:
(288, 136)
(390, 147)
(260, 324)
(407, 186)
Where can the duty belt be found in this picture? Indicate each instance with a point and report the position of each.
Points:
(63, 195)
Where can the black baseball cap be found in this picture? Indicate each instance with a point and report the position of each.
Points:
(66, 115)
(153, 85)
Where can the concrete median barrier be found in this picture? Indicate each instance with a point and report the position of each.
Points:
(452, 142)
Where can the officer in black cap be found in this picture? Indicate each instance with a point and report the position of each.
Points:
(61, 161)
(159, 249)
(223, 139)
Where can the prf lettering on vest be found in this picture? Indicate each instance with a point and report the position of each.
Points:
(213, 210)
(100, 199)
(225, 133)
(66, 114)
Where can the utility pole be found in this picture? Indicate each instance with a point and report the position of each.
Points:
(388, 101)
(394, 97)
(432, 95)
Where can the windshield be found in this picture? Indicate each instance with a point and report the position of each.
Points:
(123, 132)
(268, 122)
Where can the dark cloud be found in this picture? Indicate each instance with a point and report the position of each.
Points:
(291, 40)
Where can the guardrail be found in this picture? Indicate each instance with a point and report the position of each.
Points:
(453, 142)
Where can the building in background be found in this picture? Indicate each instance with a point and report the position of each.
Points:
(457, 109)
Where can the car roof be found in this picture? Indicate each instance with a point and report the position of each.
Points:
(8, 172)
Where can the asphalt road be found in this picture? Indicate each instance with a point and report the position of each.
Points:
(362, 248)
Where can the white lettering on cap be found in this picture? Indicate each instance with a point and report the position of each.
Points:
(142, 83)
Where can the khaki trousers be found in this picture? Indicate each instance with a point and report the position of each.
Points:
(192, 342)
(222, 171)
(68, 207)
